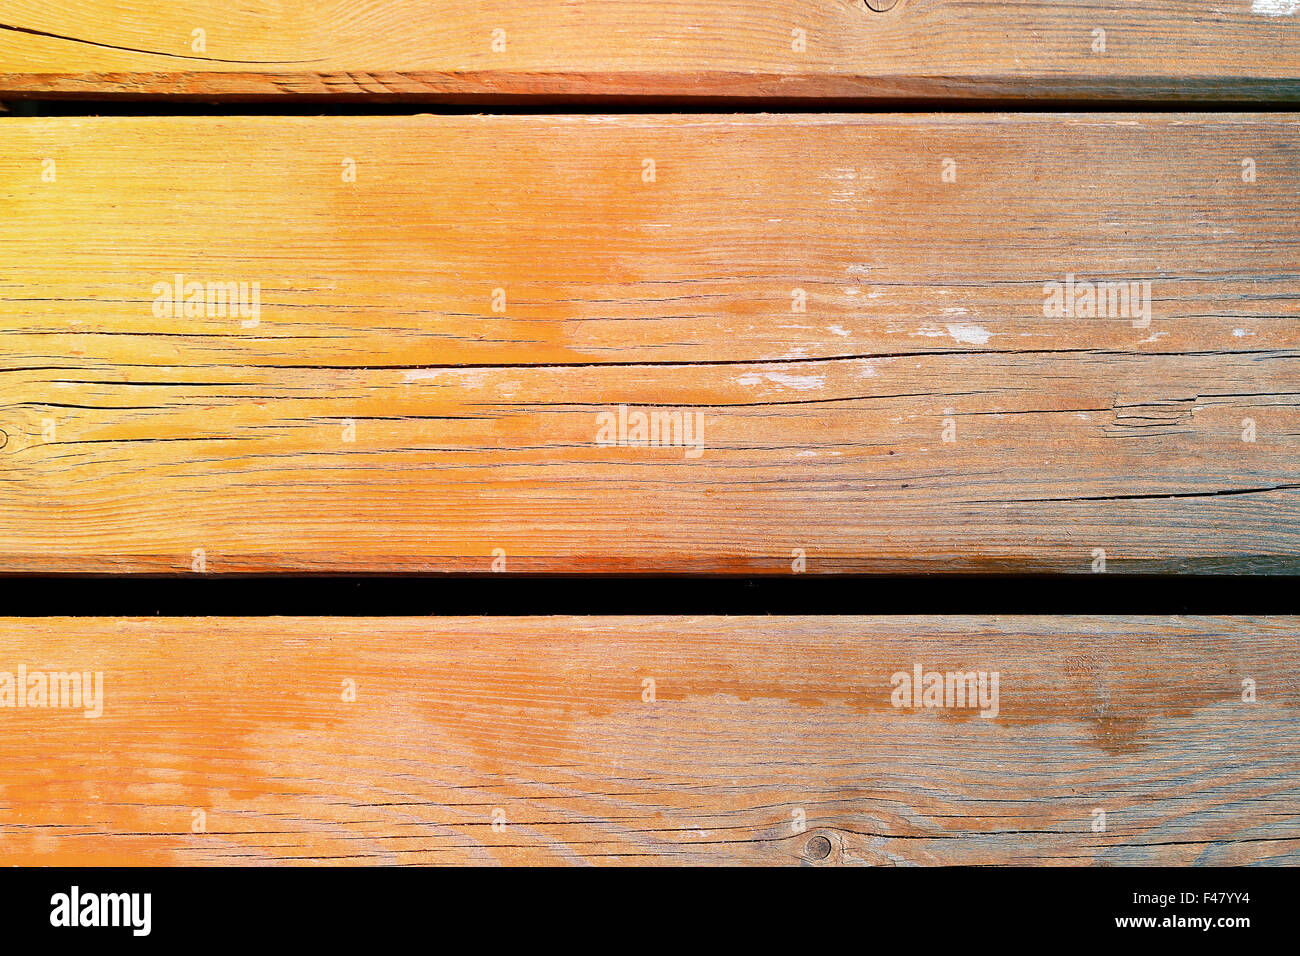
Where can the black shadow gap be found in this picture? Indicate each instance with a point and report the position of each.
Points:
(516, 594)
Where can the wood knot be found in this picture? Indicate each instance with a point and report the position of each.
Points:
(880, 6)
(818, 848)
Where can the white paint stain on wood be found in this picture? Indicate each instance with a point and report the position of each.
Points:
(800, 382)
(1275, 8)
(969, 334)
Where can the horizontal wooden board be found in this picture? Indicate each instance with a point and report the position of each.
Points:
(651, 740)
(788, 49)
(456, 320)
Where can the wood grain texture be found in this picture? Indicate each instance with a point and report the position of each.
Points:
(441, 49)
(753, 720)
(381, 416)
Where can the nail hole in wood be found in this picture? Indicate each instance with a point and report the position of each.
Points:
(819, 848)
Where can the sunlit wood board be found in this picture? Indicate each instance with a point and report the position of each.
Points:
(864, 343)
(788, 49)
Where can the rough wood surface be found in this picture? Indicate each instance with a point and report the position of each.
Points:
(757, 726)
(443, 49)
(440, 345)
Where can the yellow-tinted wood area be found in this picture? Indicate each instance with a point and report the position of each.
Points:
(769, 740)
(1228, 49)
(690, 343)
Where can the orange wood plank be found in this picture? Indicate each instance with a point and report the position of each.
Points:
(652, 740)
(439, 49)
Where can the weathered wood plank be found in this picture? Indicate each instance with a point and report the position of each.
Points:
(439, 347)
(425, 49)
(764, 736)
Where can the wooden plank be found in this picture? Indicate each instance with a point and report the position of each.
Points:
(757, 727)
(789, 49)
(440, 346)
